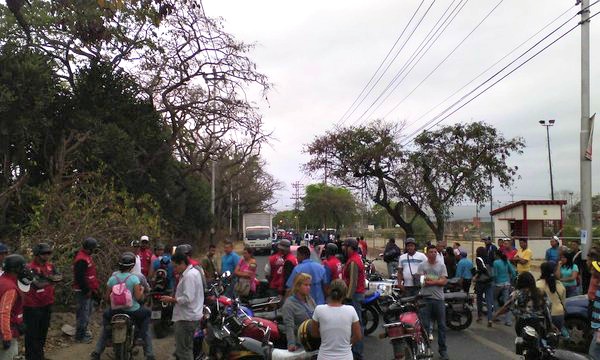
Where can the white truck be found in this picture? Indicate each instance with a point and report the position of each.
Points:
(258, 231)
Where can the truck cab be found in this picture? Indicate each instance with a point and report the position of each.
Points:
(258, 238)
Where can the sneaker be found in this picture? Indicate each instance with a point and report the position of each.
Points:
(84, 340)
(94, 356)
(490, 324)
(430, 337)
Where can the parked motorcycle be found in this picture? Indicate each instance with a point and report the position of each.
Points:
(377, 301)
(532, 346)
(161, 312)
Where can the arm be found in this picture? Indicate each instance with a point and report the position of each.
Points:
(288, 321)
(138, 292)
(356, 333)
(288, 267)
(79, 270)
(504, 308)
(239, 273)
(6, 303)
(573, 276)
(315, 329)
(352, 281)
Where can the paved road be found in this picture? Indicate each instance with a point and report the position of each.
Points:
(478, 342)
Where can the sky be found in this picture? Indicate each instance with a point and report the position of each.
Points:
(319, 55)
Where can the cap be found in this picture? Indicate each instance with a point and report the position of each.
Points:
(486, 238)
(463, 253)
(409, 241)
(144, 238)
(3, 249)
(284, 244)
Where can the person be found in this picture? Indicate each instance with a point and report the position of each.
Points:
(594, 350)
(508, 249)
(230, 259)
(297, 308)
(145, 255)
(245, 270)
(364, 248)
(552, 253)
(483, 285)
(137, 268)
(316, 271)
(456, 249)
(391, 253)
(408, 263)
(440, 247)
(529, 305)
(584, 273)
(337, 325)
(209, 264)
(38, 301)
(85, 285)
(523, 257)
(504, 273)
(159, 251)
(189, 302)
(567, 273)
(556, 293)
(450, 262)
(463, 271)
(354, 277)
(434, 309)
(333, 265)
(3, 254)
(490, 251)
(137, 312)
(279, 266)
(164, 262)
(11, 301)
(306, 238)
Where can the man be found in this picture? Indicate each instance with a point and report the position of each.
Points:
(553, 253)
(354, 277)
(38, 302)
(317, 271)
(164, 262)
(189, 301)
(408, 264)
(364, 248)
(440, 247)
(11, 305)
(85, 285)
(230, 260)
(490, 250)
(333, 265)
(159, 251)
(434, 308)
(523, 257)
(507, 249)
(463, 271)
(3, 254)
(390, 256)
(209, 264)
(145, 254)
(279, 267)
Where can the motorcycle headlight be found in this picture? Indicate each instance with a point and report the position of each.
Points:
(529, 333)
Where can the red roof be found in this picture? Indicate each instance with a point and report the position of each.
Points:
(528, 202)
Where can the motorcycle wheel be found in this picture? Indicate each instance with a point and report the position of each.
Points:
(403, 350)
(370, 319)
(121, 352)
(459, 320)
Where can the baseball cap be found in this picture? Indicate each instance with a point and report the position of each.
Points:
(284, 244)
(410, 241)
(144, 238)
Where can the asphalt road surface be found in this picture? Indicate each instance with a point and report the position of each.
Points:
(478, 342)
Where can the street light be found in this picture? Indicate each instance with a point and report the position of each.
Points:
(547, 126)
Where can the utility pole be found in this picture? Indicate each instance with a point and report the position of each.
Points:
(297, 186)
(238, 215)
(547, 126)
(230, 208)
(585, 163)
(491, 207)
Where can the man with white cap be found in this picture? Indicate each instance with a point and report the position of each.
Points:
(145, 254)
(408, 263)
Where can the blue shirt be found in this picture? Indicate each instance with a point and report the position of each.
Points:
(552, 255)
(229, 262)
(166, 259)
(503, 272)
(319, 278)
(132, 281)
(463, 269)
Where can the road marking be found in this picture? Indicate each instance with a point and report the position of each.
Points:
(498, 348)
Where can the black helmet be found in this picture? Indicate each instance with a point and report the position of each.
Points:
(352, 243)
(159, 246)
(331, 249)
(90, 243)
(41, 248)
(127, 259)
(135, 243)
(14, 263)
(185, 249)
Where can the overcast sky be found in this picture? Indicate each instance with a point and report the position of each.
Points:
(320, 54)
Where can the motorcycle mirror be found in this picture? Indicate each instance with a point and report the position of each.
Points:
(422, 280)
(226, 274)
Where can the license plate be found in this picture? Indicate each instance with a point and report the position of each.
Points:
(156, 315)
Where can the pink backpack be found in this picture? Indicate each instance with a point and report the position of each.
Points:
(120, 296)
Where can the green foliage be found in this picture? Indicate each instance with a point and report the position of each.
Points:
(328, 205)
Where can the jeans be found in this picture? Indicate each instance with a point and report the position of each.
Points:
(11, 352)
(84, 311)
(466, 285)
(184, 339)
(571, 290)
(141, 318)
(436, 310)
(594, 351)
(392, 267)
(503, 294)
(357, 300)
(485, 291)
(37, 321)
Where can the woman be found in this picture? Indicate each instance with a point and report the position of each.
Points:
(298, 307)
(450, 262)
(337, 325)
(567, 273)
(504, 273)
(245, 271)
(555, 291)
(483, 285)
(529, 305)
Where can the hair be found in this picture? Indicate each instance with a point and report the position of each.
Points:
(523, 240)
(430, 246)
(249, 250)
(457, 244)
(526, 281)
(298, 281)
(392, 240)
(547, 269)
(502, 256)
(337, 290)
(228, 242)
(304, 251)
(180, 257)
(125, 268)
(481, 252)
(569, 256)
(212, 246)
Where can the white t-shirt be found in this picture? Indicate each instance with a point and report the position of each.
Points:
(409, 265)
(335, 327)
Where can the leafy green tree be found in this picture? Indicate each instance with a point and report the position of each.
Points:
(328, 206)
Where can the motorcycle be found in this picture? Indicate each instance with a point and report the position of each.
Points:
(376, 303)
(123, 339)
(532, 346)
(371, 272)
(161, 312)
(459, 314)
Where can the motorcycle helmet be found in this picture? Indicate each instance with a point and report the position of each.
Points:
(25, 279)
(135, 243)
(41, 248)
(309, 342)
(185, 249)
(127, 259)
(351, 243)
(90, 243)
(331, 249)
(159, 246)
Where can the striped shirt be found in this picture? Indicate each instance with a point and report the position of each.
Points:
(596, 311)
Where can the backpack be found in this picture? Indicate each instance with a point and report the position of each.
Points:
(120, 296)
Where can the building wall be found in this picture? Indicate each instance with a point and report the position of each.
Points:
(514, 213)
(543, 212)
(501, 228)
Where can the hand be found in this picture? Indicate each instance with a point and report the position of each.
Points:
(292, 348)
(430, 282)
(167, 299)
(6, 344)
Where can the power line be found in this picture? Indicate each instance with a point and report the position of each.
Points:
(411, 138)
(382, 62)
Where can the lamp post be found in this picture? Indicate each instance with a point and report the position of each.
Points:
(547, 126)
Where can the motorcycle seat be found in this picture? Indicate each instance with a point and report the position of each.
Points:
(267, 300)
(453, 281)
(269, 315)
(459, 295)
